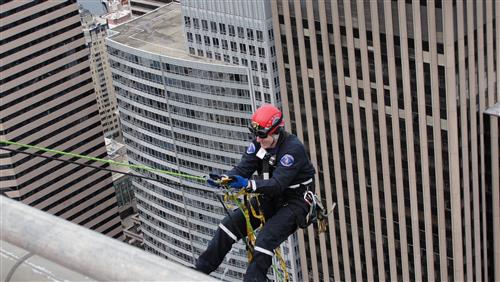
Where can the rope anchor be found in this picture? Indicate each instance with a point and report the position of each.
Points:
(317, 213)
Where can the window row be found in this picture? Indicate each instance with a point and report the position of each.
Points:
(179, 149)
(171, 68)
(193, 127)
(231, 30)
(186, 85)
(225, 44)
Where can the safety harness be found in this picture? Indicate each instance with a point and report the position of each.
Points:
(246, 208)
(317, 213)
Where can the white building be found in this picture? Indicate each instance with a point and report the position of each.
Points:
(95, 31)
(184, 114)
(240, 33)
(236, 32)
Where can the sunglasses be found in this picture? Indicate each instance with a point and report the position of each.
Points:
(261, 132)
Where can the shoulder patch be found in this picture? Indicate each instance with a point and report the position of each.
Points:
(287, 160)
(251, 149)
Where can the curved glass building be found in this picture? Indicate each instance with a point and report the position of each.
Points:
(184, 114)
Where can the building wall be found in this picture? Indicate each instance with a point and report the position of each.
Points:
(95, 35)
(388, 98)
(239, 33)
(48, 100)
(184, 116)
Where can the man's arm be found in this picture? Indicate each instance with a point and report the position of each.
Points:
(248, 164)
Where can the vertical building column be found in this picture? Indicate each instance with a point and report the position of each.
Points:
(453, 140)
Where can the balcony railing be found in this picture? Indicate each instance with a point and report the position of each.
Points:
(81, 250)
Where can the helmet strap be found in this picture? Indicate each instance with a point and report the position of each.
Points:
(276, 137)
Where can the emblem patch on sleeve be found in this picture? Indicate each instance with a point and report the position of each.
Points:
(287, 160)
(251, 149)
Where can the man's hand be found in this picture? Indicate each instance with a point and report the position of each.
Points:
(216, 180)
(238, 182)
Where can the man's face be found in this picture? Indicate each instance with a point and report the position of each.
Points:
(267, 142)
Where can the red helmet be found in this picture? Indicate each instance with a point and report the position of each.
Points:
(266, 120)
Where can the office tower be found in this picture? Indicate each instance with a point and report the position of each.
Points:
(95, 31)
(141, 7)
(389, 98)
(239, 33)
(48, 100)
(183, 114)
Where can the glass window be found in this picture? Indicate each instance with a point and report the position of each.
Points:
(226, 58)
(241, 32)
(256, 81)
(207, 40)
(252, 50)
(267, 97)
(271, 34)
(243, 48)
(244, 62)
(213, 26)
(224, 44)
(196, 23)
(263, 67)
(250, 33)
(236, 61)
(187, 21)
(254, 65)
(190, 37)
(231, 30)
(234, 46)
(215, 42)
(217, 56)
(209, 54)
(262, 52)
(265, 82)
(260, 35)
(204, 24)
(191, 50)
(222, 28)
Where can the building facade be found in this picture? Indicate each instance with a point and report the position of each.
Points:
(389, 98)
(183, 114)
(241, 33)
(238, 33)
(95, 34)
(48, 100)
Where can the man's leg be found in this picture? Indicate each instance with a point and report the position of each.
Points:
(231, 230)
(275, 231)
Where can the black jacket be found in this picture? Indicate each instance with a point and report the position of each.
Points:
(292, 166)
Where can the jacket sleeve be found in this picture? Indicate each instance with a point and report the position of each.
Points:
(289, 165)
(249, 162)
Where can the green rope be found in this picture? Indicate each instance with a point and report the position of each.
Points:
(111, 162)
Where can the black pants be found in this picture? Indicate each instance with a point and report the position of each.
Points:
(281, 222)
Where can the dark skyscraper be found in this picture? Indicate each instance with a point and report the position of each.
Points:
(48, 100)
(389, 98)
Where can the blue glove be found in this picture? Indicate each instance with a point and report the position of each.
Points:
(238, 182)
(214, 179)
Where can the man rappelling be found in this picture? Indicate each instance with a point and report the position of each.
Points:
(286, 178)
